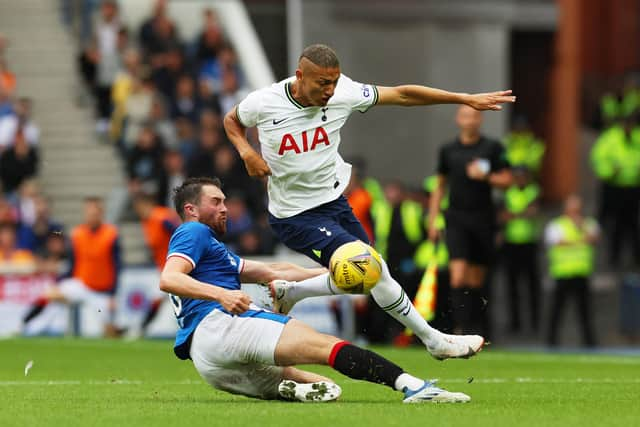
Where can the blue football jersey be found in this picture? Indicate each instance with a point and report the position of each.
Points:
(213, 263)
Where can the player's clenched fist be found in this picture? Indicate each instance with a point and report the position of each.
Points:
(235, 302)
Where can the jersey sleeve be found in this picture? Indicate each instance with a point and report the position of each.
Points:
(190, 242)
(359, 96)
(498, 157)
(248, 109)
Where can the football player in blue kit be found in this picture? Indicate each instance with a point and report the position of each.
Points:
(299, 121)
(236, 346)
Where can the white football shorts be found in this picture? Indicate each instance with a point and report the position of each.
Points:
(236, 353)
(76, 292)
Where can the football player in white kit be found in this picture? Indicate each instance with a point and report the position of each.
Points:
(299, 121)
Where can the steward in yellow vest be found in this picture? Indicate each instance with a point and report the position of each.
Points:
(615, 159)
(570, 239)
(524, 150)
(398, 230)
(521, 247)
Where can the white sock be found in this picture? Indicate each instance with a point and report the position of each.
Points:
(317, 286)
(390, 297)
(408, 381)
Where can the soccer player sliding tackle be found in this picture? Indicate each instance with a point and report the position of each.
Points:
(241, 349)
(299, 121)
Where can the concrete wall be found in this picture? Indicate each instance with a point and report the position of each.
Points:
(402, 142)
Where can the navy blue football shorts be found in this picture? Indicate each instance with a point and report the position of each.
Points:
(318, 232)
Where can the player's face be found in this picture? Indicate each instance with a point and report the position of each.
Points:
(316, 84)
(211, 210)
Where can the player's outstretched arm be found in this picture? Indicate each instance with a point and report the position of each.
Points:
(409, 95)
(256, 166)
(175, 280)
(260, 272)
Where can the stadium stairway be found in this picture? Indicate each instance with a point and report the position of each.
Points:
(74, 164)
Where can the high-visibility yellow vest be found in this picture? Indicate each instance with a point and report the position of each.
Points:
(374, 189)
(517, 200)
(524, 149)
(411, 217)
(427, 249)
(609, 107)
(429, 185)
(575, 259)
(613, 108)
(615, 157)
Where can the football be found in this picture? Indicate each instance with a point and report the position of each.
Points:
(355, 267)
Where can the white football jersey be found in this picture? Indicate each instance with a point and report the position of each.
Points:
(300, 144)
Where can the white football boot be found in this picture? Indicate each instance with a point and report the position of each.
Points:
(321, 391)
(456, 346)
(281, 303)
(429, 393)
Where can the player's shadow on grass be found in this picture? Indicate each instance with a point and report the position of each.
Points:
(225, 400)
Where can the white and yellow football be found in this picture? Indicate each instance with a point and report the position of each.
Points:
(355, 267)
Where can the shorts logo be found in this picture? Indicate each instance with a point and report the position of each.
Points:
(365, 91)
(325, 231)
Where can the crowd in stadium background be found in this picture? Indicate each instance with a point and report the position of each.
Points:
(159, 100)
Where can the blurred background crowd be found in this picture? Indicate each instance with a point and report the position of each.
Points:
(158, 99)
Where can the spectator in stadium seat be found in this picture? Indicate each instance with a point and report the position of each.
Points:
(173, 175)
(201, 161)
(213, 70)
(187, 143)
(165, 73)
(8, 212)
(186, 103)
(54, 258)
(18, 123)
(162, 124)
(210, 41)
(227, 164)
(25, 201)
(18, 163)
(12, 258)
(231, 93)
(122, 88)
(145, 164)
(157, 32)
(95, 267)
(208, 99)
(35, 236)
(210, 119)
(239, 220)
(109, 40)
(138, 107)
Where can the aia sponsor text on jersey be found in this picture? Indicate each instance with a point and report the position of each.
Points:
(301, 144)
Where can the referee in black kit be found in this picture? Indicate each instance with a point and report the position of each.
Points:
(470, 166)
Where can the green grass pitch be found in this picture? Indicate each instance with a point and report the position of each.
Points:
(117, 384)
